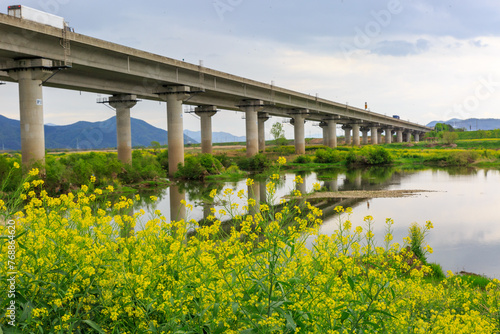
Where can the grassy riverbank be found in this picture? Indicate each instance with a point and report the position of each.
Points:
(83, 268)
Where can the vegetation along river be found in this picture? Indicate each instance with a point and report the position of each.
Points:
(461, 203)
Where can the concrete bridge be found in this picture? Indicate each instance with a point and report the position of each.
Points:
(36, 55)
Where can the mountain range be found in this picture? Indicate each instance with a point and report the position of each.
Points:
(85, 135)
(471, 124)
(99, 135)
(217, 137)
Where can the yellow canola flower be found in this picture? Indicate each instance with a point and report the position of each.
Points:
(213, 193)
(249, 182)
(298, 179)
(34, 172)
(316, 186)
(282, 160)
(92, 179)
(16, 165)
(275, 177)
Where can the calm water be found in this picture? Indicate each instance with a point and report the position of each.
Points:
(463, 207)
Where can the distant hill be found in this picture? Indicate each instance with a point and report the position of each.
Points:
(217, 137)
(84, 135)
(471, 124)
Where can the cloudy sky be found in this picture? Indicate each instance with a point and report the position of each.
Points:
(422, 60)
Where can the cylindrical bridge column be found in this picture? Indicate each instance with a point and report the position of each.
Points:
(324, 126)
(262, 118)
(122, 104)
(298, 131)
(399, 135)
(30, 74)
(347, 134)
(251, 107)
(388, 135)
(406, 136)
(364, 131)
(416, 135)
(205, 113)
(374, 135)
(174, 96)
(355, 134)
(332, 133)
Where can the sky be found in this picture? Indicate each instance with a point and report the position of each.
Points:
(422, 60)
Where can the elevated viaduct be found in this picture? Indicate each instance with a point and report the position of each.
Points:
(36, 55)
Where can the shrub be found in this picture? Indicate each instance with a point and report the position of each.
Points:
(461, 158)
(197, 167)
(224, 159)
(162, 158)
(369, 155)
(255, 163)
(450, 137)
(302, 159)
(327, 156)
(145, 166)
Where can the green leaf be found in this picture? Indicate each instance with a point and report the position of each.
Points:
(351, 282)
(94, 326)
(290, 323)
(344, 316)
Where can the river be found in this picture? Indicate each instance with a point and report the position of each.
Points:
(463, 205)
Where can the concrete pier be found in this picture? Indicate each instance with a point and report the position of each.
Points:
(374, 135)
(355, 134)
(251, 108)
(347, 134)
(379, 138)
(30, 73)
(399, 136)
(324, 126)
(388, 135)
(205, 113)
(298, 131)
(122, 104)
(364, 131)
(407, 136)
(416, 136)
(262, 118)
(332, 133)
(174, 96)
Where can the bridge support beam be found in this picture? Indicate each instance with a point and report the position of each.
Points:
(262, 118)
(324, 126)
(379, 137)
(347, 133)
(399, 136)
(355, 134)
(205, 113)
(407, 136)
(374, 135)
(30, 74)
(332, 133)
(298, 132)
(388, 135)
(416, 135)
(174, 96)
(122, 104)
(364, 131)
(251, 108)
